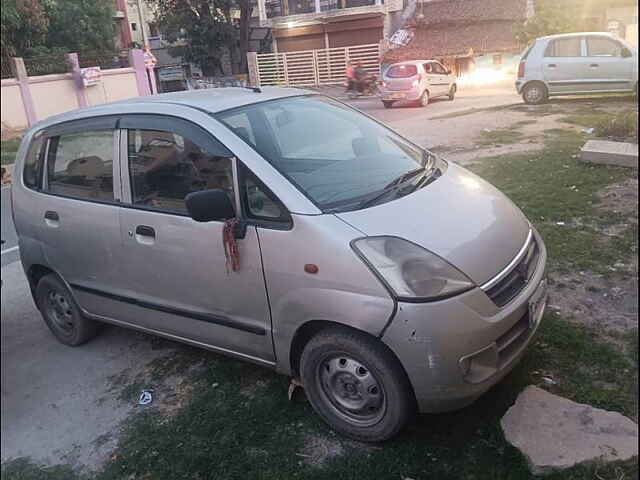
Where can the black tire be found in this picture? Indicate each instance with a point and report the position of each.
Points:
(371, 381)
(424, 99)
(452, 92)
(535, 93)
(61, 312)
(387, 103)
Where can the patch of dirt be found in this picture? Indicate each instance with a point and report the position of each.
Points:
(318, 449)
(252, 389)
(467, 157)
(620, 198)
(606, 304)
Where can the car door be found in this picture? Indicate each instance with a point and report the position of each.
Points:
(175, 272)
(611, 65)
(443, 82)
(564, 67)
(430, 79)
(78, 207)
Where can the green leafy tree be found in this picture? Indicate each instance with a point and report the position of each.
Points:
(24, 25)
(203, 30)
(548, 20)
(81, 25)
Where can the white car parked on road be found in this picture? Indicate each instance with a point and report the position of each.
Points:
(577, 63)
(417, 80)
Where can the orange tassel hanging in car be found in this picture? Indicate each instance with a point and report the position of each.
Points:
(231, 252)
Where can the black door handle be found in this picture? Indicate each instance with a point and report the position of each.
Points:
(145, 231)
(552, 65)
(51, 215)
(594, 65)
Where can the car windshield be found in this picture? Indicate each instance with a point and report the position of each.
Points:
(402, 71)
(337, 157)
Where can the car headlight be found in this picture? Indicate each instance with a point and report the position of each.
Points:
(413, 273)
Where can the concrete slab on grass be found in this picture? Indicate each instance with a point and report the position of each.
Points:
(610, 153)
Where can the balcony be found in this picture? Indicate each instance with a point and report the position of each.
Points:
(276, 9)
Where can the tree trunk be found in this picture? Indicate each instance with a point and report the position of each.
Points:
(245, 18)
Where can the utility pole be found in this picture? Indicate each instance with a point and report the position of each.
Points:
(142, 24)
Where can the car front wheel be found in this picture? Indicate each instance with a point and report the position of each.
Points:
(452, 92)
(387, 103)
(356, 384)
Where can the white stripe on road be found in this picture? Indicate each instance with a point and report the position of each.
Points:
(9, 250)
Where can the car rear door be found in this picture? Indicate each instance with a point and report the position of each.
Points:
(441, 78)
(564, 67)
(78, 207)
(175, 275)
(609, 69)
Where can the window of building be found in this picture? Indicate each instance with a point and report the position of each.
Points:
(565, 47)
(165, 167)
(134, 27)
(603, 47)
(497, 60)
(80, 165)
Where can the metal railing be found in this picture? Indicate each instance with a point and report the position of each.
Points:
(6, 69)
(106, 61)
(315, 67)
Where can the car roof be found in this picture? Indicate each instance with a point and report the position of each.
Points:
(577, 34)
(211, 100)
(412, 62)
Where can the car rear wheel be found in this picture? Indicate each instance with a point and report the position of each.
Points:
(356, 384)
(452, 92)
(535, 93)
(387, 103)
(61, 312)
(424, 99)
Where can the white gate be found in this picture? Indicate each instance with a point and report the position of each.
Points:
(310, 68)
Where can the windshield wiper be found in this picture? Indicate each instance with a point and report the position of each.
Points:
(404, 178)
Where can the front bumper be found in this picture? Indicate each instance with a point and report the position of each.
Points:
(399, 95)
(433, 340)
(519, 85)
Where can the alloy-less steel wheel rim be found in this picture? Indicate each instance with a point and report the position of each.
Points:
(351, 390)
(534, 94)
(60, 311)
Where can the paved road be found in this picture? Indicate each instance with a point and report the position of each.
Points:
(9, 248)
(55, 399)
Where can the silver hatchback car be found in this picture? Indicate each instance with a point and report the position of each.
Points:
(284, 228)
(417, 81)
(577, 63)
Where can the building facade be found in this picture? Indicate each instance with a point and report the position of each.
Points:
(298, 25)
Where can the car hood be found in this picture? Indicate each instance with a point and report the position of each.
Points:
(459, 217)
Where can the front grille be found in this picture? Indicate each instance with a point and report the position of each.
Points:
(513, 340)
(512, 284)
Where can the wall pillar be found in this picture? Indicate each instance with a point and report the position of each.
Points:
(136, 60)
(20, 74)
(252, 68)
(81, 92)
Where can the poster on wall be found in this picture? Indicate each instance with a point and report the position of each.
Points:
(91, 76)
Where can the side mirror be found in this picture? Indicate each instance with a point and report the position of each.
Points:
(209, 205)
(448, 72)
(626, 53)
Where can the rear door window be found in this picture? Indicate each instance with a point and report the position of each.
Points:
(80, 165)
(603, 47)
(402, 71)
(565, 47)
(439, 69)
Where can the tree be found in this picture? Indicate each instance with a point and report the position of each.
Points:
(548, 20)
(202, 30)
(81, 25)
(41, 27)
(24, 25)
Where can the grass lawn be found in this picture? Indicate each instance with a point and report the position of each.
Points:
(9, 148)
(240, 425)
